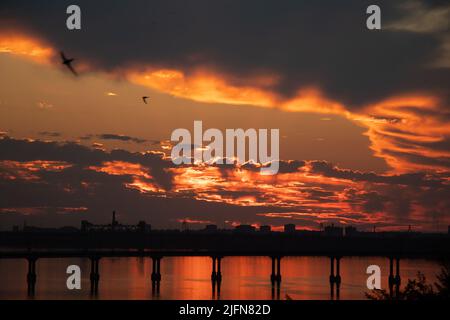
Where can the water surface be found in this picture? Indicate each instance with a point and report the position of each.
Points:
(189, 277)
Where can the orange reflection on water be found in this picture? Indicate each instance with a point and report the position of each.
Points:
(189, 278)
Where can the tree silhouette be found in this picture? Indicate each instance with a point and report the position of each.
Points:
(443, 284)
(419, 289)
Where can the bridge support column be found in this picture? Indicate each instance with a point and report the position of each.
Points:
(156, 269)
(95, 274)
(397, 277)
(397, 273)
(216, 275)
(275, 276)
(219, 269)
(31, 276)
(213, 272)
(394, 281)
(391, 276)
(156, 274)
(278, 270)
(332, 269)
(153, 277)
(335, 278)
(272, 275)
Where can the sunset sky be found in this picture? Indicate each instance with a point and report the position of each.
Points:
(363, 114)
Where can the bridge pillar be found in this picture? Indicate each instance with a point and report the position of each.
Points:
(153, 277)
(216, 275)
(156, 269)
(31, 275)
(156, 274)
(218, 288)
(275, 275)
(338, 270)
(332, 277)
(397, 272)
(278, 277)
(335, 278)
(332, 270)
(272, 275)
(391, 271)
(391, 278)
(219, 269)
(394, 281)
(95, 274)
(338, 276)
(213, 272)
(397, 277)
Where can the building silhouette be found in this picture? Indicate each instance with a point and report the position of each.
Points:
(244, 228)
(289, 228)
(211, 228)
(115, 226)
(350, 231)
(333, 231)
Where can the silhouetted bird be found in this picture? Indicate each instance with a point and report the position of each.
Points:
(145, 99)
(67, 63)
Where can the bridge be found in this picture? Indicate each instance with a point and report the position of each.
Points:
(218, 246)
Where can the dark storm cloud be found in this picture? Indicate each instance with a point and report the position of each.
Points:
(410, 179)
(78, 186)
(318, 194)
(53, 194)
(305, 43)
(73, 153)
(108, 194)
(370, 202)
(24, 150)
(40, 202)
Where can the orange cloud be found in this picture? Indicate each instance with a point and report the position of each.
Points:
(12, 170)
(26, 47)
(402, 130)
(242, 187)
(414, 117)
(407, 125)
(122, 168)
(203, 87)
(143, 186)
(303, 195)
(142, 179)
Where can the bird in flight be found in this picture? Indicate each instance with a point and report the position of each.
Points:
(68, 63)
(145, 99)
